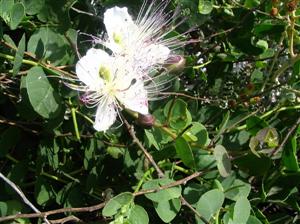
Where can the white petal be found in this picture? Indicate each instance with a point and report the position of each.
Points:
(120, 28)
(134, 97)
(156, 53)
(106, 114)
(87, 68)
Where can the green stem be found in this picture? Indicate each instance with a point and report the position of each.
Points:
(73, 112)
(42, 173)
(267, 114)
(24, 61)
(33, 63)
(85, 117)
(140, 183)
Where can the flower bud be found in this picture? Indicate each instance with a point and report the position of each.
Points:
(291, 5)
(175, 63)
(274, 11)
(146, 121)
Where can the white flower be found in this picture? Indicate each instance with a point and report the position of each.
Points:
(111, 83)
(144, 40)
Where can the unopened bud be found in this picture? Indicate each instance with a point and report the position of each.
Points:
(146, 121)
(175, 63)
(292, 5)
(274, 11)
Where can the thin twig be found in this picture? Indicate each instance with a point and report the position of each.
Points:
(140, 145)
(22, 195)
(52, 212)
(176, 183)
(184, 202)
(66, 219)
(101, 205)
(291, 131)
(12, 123)
(158, 170)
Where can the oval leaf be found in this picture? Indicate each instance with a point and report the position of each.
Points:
(210, 203)
(241, 211)
(116, 203)
(16, 15)
(185, 153)
(223, 160)
(19, 55)
(44, 100)
(167, 210)
(138, 215)
(162, 195)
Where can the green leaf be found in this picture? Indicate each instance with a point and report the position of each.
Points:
(3, 208)
(138, 215)
(223, 124)
(197, 133)
(10, 41)
(289, 155)
(151, 139)
(210, 203)
(267, 136)
(161, 195)
(241, 211)
(13, 207)
(33, 7)
(177, 114)
(115, 152)
(192, 193)
(167, 210)
(205, 7)
(251, 3)
(253, 220)
(16, 15)
(5, 9)
(223, 160)
(43, 192)
(253, 165)
(116, 203)
(47, 40)
(268, 27)
(236, 189)
(257, 77)
(43, 98)
(9, 139)
(19, 56)
(184, 152)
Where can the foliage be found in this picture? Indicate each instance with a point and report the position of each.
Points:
(232, 121)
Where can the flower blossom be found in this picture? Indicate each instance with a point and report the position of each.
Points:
(144, 40)
(134, 72)
(110, 84)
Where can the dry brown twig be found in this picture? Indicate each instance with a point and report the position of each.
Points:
(159, 171)
(22, 195)
(44, 215)
(101, 205)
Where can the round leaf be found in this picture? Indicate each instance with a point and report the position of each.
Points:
(162, 195)
(116, 203)
(210, 203)
(167, 210)
(138, 215)
(205, 7)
